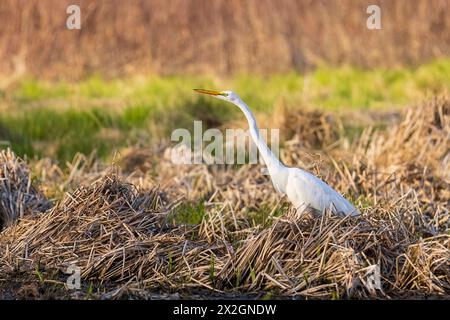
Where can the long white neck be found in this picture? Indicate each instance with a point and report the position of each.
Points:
(277, 170)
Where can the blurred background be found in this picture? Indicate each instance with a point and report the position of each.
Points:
(125, 77)
(216, 37)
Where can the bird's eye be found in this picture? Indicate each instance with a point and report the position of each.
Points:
(224, 94)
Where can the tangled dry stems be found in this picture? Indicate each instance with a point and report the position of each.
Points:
(117, 232)
(18, 196)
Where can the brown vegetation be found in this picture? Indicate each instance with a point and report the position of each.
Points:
(125, 234)
(18, 196)
(222, 37)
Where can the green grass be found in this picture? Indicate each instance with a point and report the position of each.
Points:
(263, 216)
(190, 214)
(61, 119)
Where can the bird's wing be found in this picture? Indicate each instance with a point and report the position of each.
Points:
(312, 191)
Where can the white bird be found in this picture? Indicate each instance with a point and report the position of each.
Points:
(303, 189)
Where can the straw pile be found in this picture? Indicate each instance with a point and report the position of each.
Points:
(113, 232)
(333, 257)
(18, 196)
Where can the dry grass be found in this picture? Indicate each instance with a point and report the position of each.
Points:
(18, 196)
(113, 232)
(122, 231)
(242, 36)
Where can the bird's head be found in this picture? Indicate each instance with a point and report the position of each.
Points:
(222, 95)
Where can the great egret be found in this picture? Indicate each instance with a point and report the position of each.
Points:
(302, 188)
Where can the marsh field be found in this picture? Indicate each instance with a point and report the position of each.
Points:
(87, 181)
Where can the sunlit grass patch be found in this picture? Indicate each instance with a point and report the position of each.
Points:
(188, 213)
(61, 119)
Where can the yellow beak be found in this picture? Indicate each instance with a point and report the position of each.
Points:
(210, 92)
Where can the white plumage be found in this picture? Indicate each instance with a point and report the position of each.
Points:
(302, 188)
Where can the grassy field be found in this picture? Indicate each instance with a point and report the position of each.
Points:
(60, 119)
(98, 189)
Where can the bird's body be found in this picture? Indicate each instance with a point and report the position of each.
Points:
(303, 189)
